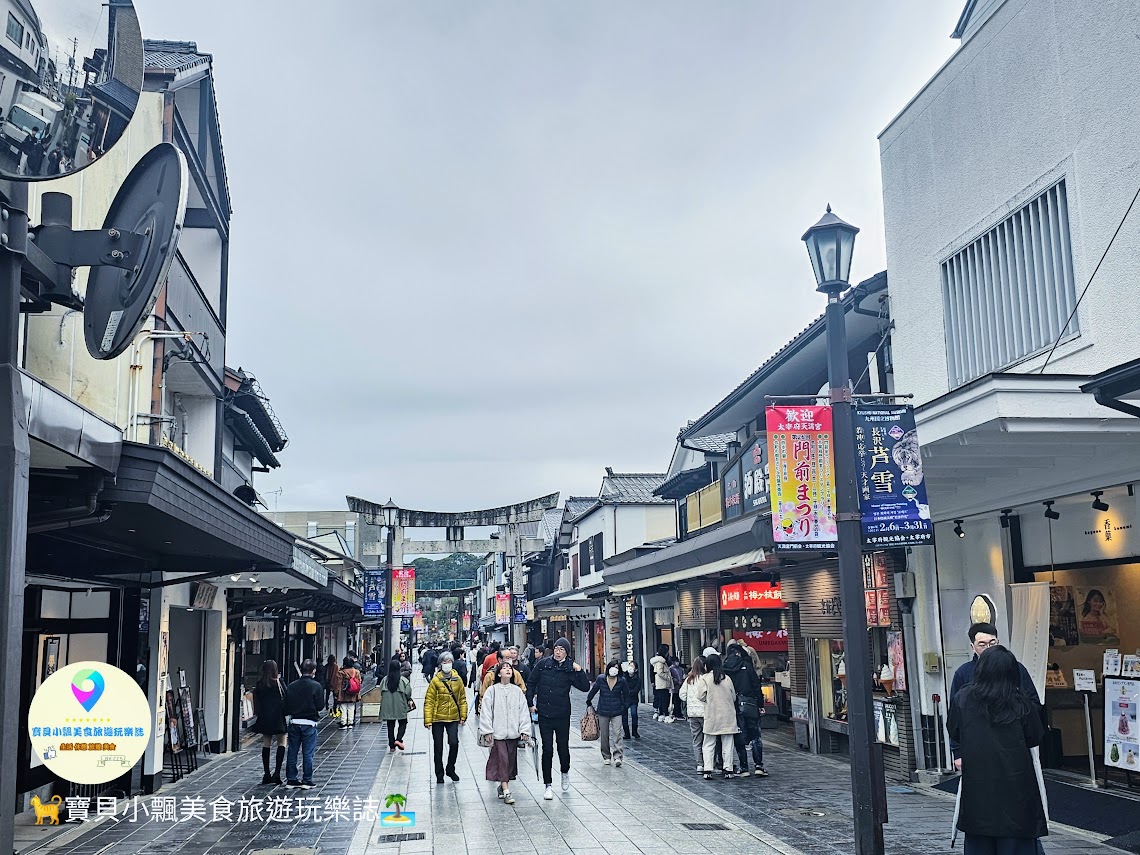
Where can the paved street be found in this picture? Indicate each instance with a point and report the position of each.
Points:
(654, 803)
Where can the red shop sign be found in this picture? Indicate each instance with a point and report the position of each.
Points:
(751, 595)
(770, 641)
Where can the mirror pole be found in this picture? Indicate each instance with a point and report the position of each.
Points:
(14, 462)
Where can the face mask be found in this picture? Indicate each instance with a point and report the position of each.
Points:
(447, 666)
(613, 672)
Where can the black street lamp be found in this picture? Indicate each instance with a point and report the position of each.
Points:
(830, 243)
(390, 517)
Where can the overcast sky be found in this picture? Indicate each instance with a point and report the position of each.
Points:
(482, 250)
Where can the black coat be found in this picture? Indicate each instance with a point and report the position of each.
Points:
(633, 687)
(611, 702)
(1000, 794)
(550, 684)
(304, 698)
(743, 675)
(269, 705)
(429, 660)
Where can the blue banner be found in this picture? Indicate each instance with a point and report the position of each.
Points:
(518, 613)
(374, 586)
(892, 489)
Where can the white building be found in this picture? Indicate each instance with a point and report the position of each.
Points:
(1005, 181)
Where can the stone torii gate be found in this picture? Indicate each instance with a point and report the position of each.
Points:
(507, 517)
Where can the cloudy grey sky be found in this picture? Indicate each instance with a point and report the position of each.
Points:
(482, 250)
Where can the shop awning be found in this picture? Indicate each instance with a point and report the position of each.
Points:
(738, 544)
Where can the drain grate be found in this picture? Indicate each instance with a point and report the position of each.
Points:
(401, 838)
(705, 826)
(583, 748)
(411, 753)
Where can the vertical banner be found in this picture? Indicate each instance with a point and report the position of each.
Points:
(374, 586)
(802, 479)
(892, 490)
(418, 620)
(502, 608)
(467, 621)
(754, 481)
(518, 608)
(731, 492)
(404, 591)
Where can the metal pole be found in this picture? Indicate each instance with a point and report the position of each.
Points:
(15, 457)
(867, 784)
(389, 647)
(1088, 733)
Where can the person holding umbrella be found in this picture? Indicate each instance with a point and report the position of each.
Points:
(549, 695)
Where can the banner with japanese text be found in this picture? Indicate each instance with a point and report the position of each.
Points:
(374, 593)
(404, 591)
(801, 477)
(467, 621)
(418, 620)
(888, 466)
(518, 608)
(502, 608)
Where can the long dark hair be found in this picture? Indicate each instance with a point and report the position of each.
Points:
(715, 667)
(269, 673)
(1087, 607)
(997, 686)
(394, 675)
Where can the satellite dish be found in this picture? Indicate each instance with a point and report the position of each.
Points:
(77, 69)
(150, 203)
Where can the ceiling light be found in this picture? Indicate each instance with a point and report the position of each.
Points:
(1005, 512)
(958, 528)
(1098, 504)
(1051, 514)
(235, 577)
(253, 580)
(257, 589)
(284, 590)
(269, 590)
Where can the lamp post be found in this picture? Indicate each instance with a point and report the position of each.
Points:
(829, 244)
(390, 514)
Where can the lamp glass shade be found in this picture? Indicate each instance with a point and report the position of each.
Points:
(830, 245)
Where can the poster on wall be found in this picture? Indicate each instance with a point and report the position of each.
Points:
(801, 475)
(896, 659)
(173, 723)
(892, 488)
(1063, 617)
(50, 662)
(404, 591)
(1121, 737)
(1096, 615)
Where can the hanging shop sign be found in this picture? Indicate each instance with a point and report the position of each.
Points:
(751, 595)
(374, 587)
(753, 479)
(518, 610)
(892, 490)
(404, 591)
(467, 621)
(732, 492)
(502, 608)
(763, 640)
(802, 478)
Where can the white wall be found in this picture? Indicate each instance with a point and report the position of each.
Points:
(1038, 93)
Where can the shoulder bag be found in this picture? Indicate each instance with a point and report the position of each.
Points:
(590, 725)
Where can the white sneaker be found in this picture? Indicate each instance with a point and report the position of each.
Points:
(668, 719)
(605, 761)
(744, 773)
(565, 782)
(656, 716)
(549, 794)
(700, 768)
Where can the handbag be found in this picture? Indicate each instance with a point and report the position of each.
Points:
(590, 725)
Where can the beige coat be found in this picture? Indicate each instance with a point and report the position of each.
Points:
(720, 705)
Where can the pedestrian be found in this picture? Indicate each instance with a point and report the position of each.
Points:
(995, 723)
(395, 702)
(445, 710)
(662, 684)
(304, 699)
(633, 696)
(459, 659)
(613, 700)
(695, 710)
(984, 636)
(757, 743)
(746, 684)
(490, 660)
(503, 722)
(332, 683)
(719, 696)
(509, 655)
(349, 680)
(549, 695)
(430, 660)
(269, 707)
(678, 675)
(519, 661)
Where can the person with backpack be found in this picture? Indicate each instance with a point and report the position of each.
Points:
(445, 710)
(395, 702)
(662, 684)
(504, 721)
(749, 700)
(613, 700)
(350, 682)
(715, 690)
(695, 710)
(269, 707)
(678, 675)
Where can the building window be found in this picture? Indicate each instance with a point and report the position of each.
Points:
(1009, 294)
(310, 529)
(15, 29)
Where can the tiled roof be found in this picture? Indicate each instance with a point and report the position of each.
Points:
(717, 443)
(551, 525)
(173, 56)
(631, 488)
(575, 505)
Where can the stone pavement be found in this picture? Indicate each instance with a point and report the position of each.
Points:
(655, 803)
(806, 801)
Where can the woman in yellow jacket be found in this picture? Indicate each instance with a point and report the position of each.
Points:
(445, 709)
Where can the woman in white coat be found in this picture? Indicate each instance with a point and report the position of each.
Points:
(504, 719)
(719, 696)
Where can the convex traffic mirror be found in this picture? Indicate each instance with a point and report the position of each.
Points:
(70, 76)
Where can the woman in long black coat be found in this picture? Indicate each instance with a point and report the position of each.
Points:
(995, 725)
(269, 705)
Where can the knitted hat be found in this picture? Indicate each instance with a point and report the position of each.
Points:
(564, 644)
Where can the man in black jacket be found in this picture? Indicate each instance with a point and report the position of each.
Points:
(304, 699)
(738, 666)
(548, 694)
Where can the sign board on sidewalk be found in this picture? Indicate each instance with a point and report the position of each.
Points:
(1084, 680)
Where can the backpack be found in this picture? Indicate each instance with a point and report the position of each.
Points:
(353, 686)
